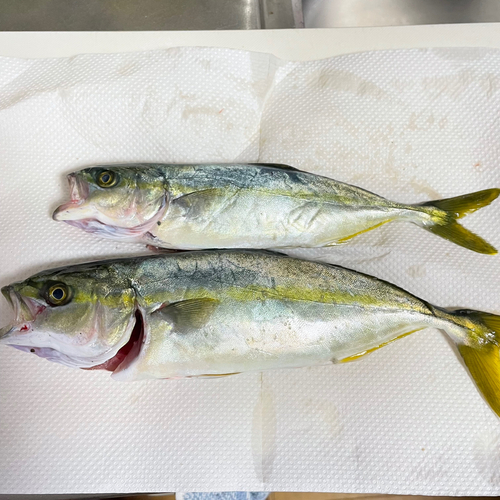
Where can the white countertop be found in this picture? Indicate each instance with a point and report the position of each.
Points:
(294, 44)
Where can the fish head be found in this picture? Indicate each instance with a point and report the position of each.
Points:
(115, 201)
(80, 318)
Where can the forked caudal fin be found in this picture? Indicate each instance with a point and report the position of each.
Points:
(480, 351)
(446, 213)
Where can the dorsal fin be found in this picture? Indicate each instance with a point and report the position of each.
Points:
(271, 252)
(281, 166)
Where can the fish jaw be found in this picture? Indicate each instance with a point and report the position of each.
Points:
(76, 208)
(47, 353)
(25, 312)
(110, 231)
(73, 211)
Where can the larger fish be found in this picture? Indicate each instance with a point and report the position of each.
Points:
(213, 313)
(247, 206)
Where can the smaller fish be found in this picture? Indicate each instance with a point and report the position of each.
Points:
(222, 312)
(192, 207)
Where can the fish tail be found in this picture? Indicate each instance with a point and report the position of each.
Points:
(476, 335)
(440, 217)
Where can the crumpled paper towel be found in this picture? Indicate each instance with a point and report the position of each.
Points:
(412, 125)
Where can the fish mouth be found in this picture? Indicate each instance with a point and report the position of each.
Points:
(79, 191)
(25, 312)
(128, 352)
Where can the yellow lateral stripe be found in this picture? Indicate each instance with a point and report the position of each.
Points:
(368, 351)
(283, 293)
(347, 238)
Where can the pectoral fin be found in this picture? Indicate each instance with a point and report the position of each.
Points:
(200, 201)
(188, 314)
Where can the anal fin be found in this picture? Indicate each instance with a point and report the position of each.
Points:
(214, 375)
(347, 238)
(355, 357)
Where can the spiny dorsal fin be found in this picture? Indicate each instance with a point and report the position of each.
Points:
(188, 314)
(270, 252)
(282, 166)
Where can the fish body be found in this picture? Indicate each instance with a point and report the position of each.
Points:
(257, 206)
(214, 313)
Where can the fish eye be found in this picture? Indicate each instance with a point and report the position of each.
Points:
(58, 294)
(106, 179)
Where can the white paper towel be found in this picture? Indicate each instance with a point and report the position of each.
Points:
(409, 125)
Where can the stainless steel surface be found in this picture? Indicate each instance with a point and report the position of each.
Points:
(125, 15)
(275, 14)
(345, 13)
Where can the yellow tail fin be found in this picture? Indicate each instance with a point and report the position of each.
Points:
(447, 211)
(481, 353)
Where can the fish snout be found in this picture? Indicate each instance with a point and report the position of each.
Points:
(25, 312)
(76, 208)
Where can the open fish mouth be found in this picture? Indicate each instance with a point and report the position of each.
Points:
(79, 191)
(25, 312)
